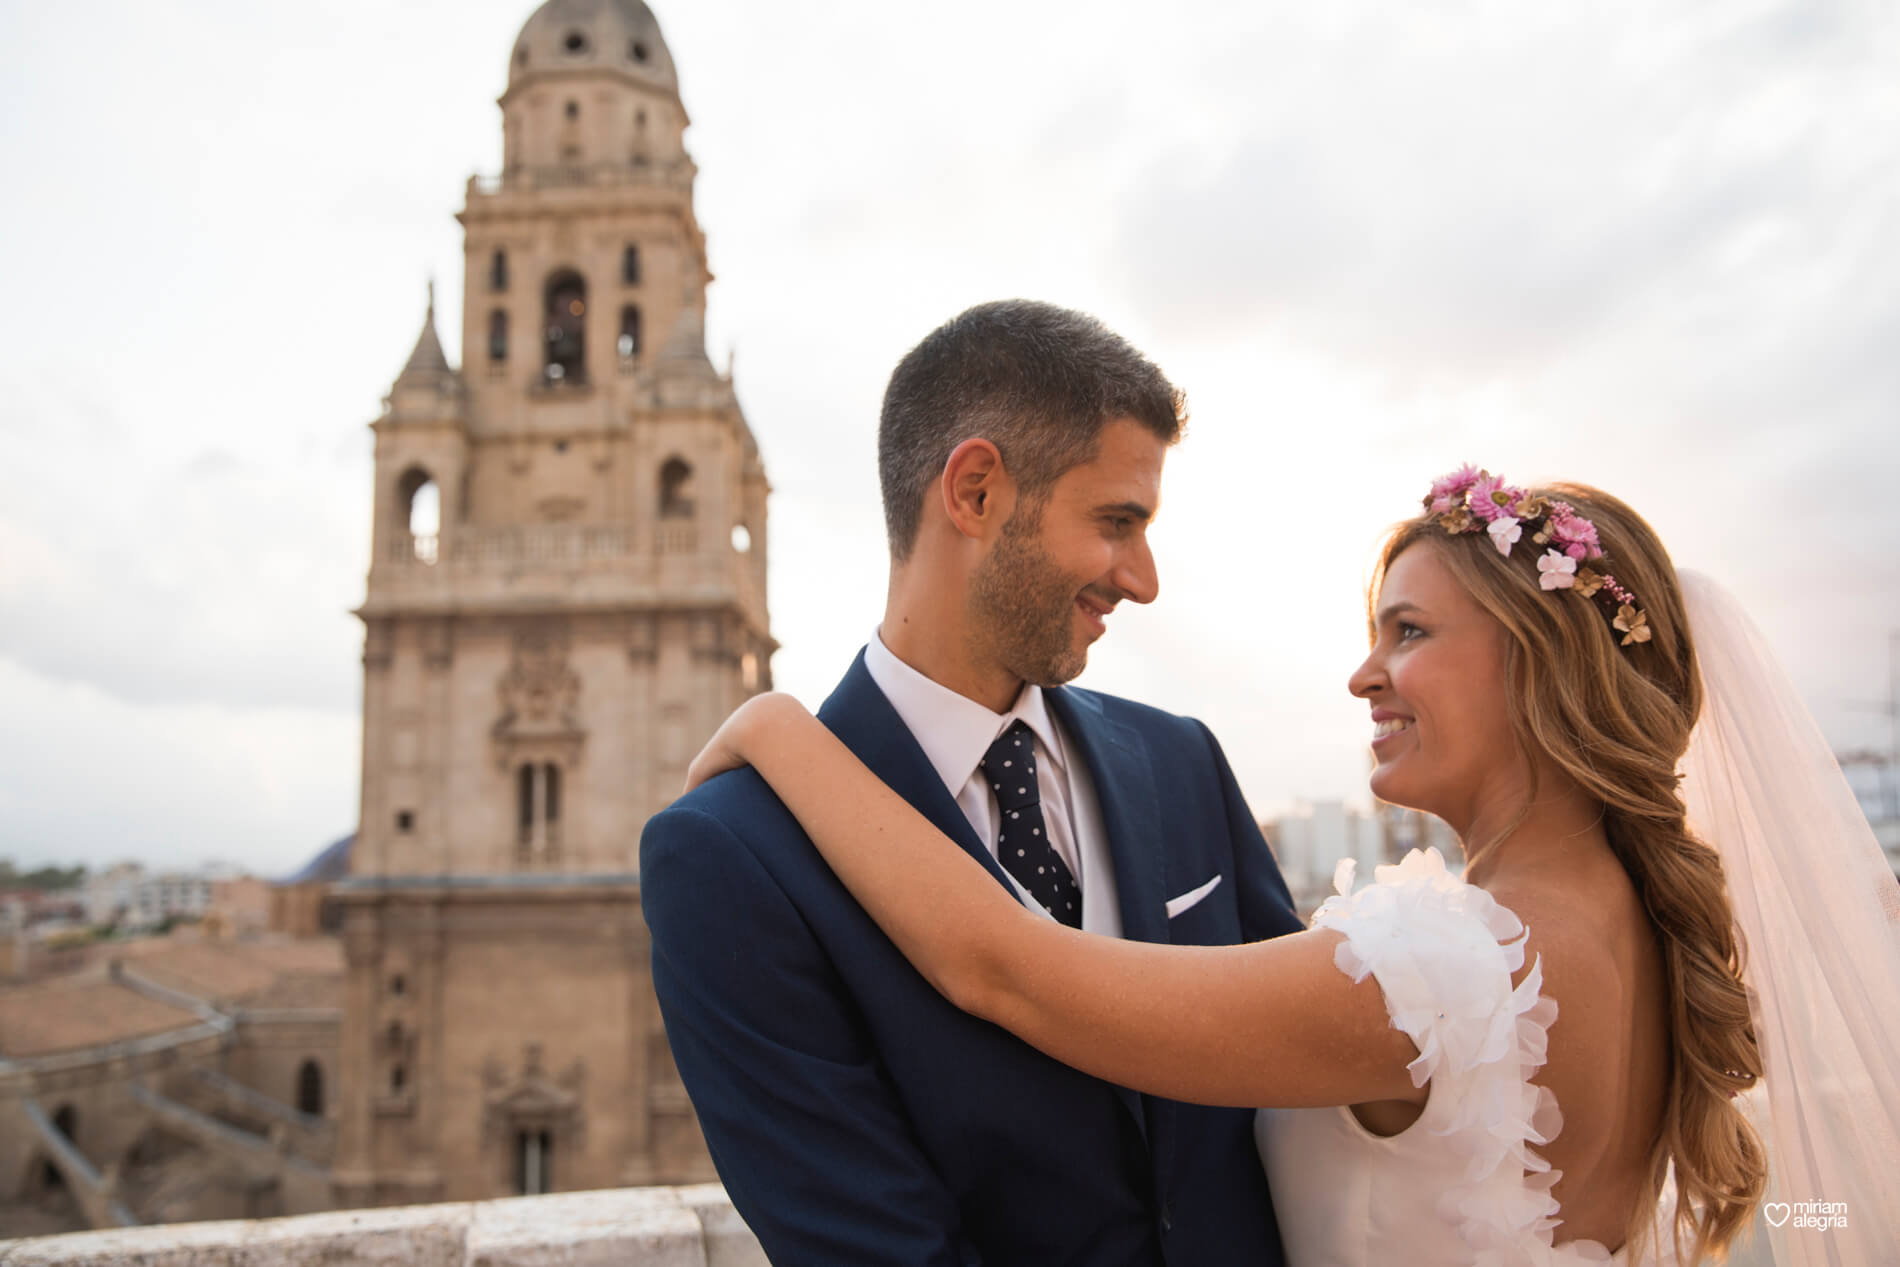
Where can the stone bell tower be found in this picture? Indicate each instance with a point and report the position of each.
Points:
(566, 595)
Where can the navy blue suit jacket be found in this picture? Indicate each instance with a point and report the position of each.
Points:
(856, 1117)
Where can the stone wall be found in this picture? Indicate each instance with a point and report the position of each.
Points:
(631, 1227)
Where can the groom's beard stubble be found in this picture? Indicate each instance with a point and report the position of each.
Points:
(1023, 607)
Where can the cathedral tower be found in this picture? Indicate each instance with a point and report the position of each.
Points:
(566, 595)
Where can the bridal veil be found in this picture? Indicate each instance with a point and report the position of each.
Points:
(1819, 912)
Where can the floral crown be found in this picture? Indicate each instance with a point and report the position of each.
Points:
(1471, 500)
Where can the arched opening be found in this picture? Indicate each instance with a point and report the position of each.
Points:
(419, 516)
(310, 1088)
(566, 327)
(629, 345)
(676, 489)
(537, 807)
(45, 1187)
(498, 335)
(630, 265)
(534, 1150)
(524, 805)
(425, 510)
(498, 270)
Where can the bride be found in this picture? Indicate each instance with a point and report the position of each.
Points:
(1540, 1062)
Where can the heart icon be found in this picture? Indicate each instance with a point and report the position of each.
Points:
(1777, 1212)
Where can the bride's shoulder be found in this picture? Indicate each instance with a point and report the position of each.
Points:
(1538, 941)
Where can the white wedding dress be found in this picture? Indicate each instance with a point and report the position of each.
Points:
(1462, 1184)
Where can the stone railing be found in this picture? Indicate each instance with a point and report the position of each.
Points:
(676, 175)
(95, 1193)
(630, 1227)
(536, 544)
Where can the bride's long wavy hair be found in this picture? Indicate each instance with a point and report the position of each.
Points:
(1617, 719)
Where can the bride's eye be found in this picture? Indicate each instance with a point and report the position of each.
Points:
(1407, 629)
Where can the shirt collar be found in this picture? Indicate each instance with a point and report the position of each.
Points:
(954, 730)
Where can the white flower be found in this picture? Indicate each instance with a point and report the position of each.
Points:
(1504, 532)
(1559, 570)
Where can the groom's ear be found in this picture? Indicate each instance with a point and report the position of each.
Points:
(977, 492)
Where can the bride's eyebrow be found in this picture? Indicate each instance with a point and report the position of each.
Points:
(1387, 614)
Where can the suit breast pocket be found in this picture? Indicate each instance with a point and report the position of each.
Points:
(1192, 898)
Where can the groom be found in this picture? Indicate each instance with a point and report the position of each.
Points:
(854, 1115)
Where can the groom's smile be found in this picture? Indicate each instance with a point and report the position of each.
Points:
(1066, 559)
(1095, 612)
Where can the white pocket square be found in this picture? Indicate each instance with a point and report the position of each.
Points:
(1191, 898)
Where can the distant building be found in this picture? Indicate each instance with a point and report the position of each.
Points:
(171, 895)
(1876, 784)
(113, 894)
(130, 895)
(297, 902)
(240, 906)
(1310, 842)
(183, 1078)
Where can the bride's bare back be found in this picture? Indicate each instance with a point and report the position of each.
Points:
(1609, 1057)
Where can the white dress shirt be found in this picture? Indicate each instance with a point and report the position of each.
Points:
(955, 732)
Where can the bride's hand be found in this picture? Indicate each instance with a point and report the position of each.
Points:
(732, 744)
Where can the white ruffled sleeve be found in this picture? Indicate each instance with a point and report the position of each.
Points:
(1443, 953)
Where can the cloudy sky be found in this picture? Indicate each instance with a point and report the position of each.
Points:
(1650, 247)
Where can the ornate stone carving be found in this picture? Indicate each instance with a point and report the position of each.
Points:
(539, 696)
(531, 1100)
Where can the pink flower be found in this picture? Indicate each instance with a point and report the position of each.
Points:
(1483, 505)
(1574, 531)
(1557, 571)
(1450, 486)
(1505, 532)
(1439, 505)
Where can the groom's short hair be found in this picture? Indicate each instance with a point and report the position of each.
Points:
(1037, 381)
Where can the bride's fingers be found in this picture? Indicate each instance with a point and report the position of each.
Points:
(714, 758)
(726, 749)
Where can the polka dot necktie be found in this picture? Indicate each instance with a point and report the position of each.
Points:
(1023, 845)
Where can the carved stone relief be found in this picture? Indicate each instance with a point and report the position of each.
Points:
(539, 698)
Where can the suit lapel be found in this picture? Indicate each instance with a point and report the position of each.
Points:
(864, 720)
(1117, 757)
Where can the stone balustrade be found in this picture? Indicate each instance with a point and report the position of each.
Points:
(629, 1227)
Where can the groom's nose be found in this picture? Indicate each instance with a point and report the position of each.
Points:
(1135, 574)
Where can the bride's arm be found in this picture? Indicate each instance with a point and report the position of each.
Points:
(1273, 1023)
